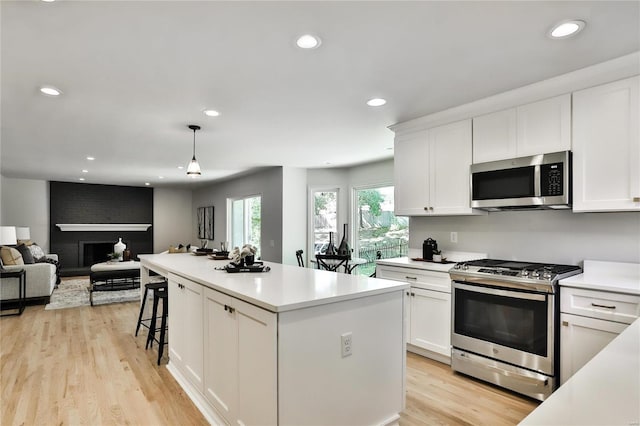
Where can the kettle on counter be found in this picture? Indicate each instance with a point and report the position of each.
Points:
(428, 247)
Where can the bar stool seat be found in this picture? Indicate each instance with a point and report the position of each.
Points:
(158, 294)
(154, 286)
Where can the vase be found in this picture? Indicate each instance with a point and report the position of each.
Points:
(343, 248)
(119, 247)
(331, 249)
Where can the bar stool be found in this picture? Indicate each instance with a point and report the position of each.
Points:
(160, 285)
(158, 294)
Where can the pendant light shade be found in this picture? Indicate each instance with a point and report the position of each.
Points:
(193, 169)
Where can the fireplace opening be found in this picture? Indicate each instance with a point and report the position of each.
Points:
(92, 252)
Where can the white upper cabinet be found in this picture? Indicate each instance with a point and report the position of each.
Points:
(531, 129)
(431, 169)
(606, 147)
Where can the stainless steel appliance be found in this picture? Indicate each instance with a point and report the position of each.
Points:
(536, 182)
(504, 326)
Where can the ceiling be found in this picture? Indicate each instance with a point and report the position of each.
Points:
(135, 74)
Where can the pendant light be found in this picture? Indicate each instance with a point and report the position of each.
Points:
(194, 168)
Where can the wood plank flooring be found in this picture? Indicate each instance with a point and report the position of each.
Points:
(84, 366)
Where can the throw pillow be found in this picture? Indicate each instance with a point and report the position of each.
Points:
(10, 256)
(27, 257)
(25, 242)
(36, 251)
(181, 249)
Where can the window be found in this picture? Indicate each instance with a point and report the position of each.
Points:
(376, 228)
(245, 223)
(325, 218)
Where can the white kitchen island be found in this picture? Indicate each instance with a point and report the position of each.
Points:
(291, 346)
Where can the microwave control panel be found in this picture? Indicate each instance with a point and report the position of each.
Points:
(551, 179)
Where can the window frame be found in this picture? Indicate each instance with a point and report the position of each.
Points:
(230, 201)
(310, 250)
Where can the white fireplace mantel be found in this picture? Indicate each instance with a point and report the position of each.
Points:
(103, 226)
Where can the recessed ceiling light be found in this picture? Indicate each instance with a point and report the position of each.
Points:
(50, 90)
(48, 1)
(91, 158)
(375, 102)
(389, 148)
(160, 177)
(566, 29)
(85, 171)
(308, 41)
(211, 113)
(147, 183)
(180, 167)
(80, 178)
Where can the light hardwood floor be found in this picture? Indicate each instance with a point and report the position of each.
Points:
(84, 366)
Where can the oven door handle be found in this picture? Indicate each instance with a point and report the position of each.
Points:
(498, 292)
(531, 380)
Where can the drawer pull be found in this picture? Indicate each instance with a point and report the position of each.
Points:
(565, 323)
(636, 199)
(595, 305)
(410, 278)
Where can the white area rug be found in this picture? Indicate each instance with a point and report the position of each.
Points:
(74, 293)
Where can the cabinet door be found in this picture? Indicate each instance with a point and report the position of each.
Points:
(581, 338)
(221, 366)
(257, 365)
(544, 126)
(449, 162)
(411, 174)
(494, 136)
(186, 329)
(431, 320)
(606, 147)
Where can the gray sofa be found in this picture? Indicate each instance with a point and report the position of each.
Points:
(40, 281)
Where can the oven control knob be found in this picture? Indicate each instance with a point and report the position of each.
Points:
(524, 273)
(456, 266)
(464, 266)
(535, 274)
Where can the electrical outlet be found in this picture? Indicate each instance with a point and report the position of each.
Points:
(454, 237)
(346, 341)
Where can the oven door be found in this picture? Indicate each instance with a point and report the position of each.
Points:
(512, 326)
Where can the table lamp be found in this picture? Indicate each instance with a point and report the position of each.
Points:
(23, 233)
(8, 236)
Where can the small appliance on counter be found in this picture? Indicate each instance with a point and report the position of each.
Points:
(428, 247)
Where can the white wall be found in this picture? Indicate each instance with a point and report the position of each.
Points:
(294, 213)
(268, 184)
(544, 236)
(173, 220)
(25, 202)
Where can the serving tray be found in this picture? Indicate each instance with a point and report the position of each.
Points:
(252, 268)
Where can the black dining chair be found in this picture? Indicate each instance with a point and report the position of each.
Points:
(299, 257)
(333, 262)
(378, 256)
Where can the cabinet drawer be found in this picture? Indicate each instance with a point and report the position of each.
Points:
(624, 308)
(429, 280)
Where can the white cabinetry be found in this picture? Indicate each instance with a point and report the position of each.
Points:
(185, 328)
(241, 366)
(431, 171)
(589, 321)
(606, 147)
(531, 129)
(429, 310)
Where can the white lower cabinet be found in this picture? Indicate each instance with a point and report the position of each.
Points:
(427, 310)
(240, 369)
(185, 328)
(589, 320)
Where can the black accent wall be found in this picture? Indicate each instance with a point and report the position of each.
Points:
(90, 203)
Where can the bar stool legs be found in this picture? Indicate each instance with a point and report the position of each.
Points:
(161, 285)
(158, 294)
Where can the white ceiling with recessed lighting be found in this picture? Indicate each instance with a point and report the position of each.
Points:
(133, 75)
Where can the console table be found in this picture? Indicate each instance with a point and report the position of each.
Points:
(113, 276)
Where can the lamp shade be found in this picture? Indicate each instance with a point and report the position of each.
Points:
(23, 233)
(8, 235)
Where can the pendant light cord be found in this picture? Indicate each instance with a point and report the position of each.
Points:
(194, 144)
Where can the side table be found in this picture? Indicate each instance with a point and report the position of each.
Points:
(22, 289)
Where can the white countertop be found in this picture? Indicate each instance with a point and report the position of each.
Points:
(606, 391)
(615, 277)
(453, 256)
(283, 288)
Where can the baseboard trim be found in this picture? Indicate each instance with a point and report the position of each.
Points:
(429, 354)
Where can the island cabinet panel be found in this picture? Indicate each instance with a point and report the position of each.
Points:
(606, 147)
(240, 363)
(186, 328)
(357, 389)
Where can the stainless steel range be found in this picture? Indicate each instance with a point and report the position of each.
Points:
(504, 326)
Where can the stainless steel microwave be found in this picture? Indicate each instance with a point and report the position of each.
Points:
(525, 183)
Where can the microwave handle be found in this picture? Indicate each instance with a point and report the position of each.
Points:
(536, 180)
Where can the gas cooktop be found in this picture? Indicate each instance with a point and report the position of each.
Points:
(514, 271)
